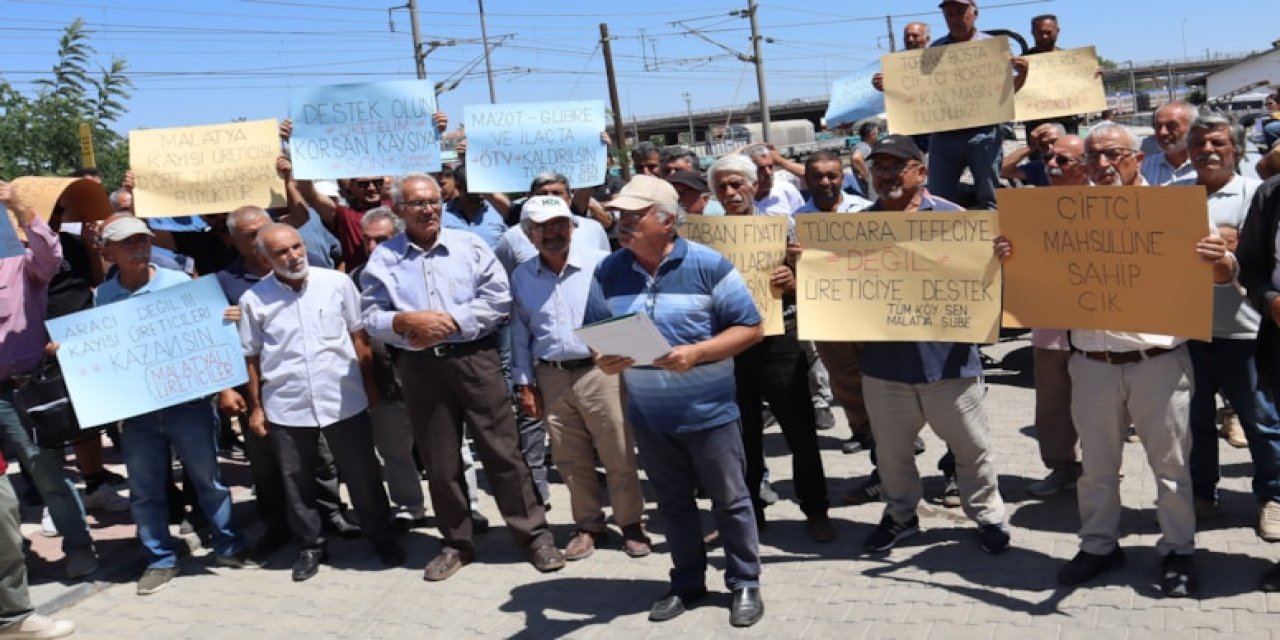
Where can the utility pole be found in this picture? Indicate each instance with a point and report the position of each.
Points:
(419, 56)
(619, 129)
(756, 57)
(488, 67)
(893, 46)
(688, 105)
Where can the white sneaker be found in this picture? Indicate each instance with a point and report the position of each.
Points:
(47, 528)
(1269, 521)
(106, 499)
(36, 626)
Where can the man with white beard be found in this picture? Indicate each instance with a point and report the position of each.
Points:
(310, 372)
(1174, 162)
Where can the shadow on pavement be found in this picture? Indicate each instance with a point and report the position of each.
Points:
(590, 601)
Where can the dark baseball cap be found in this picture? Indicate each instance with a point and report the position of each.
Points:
(972, 3)
(898, 146)
(691, 179)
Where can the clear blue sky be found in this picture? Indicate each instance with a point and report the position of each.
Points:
(208, 62)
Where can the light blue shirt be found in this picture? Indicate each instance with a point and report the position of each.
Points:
(302, 339)
(546, 309)
(1158, 172)
(485, 222)
(458, 275)
(161, 278)
(514, 248)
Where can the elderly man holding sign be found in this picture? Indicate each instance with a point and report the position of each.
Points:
(774, 371)
(188, 428)
(681, 405)
(1118, 377)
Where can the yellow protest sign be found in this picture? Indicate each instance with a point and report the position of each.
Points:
(1117, 258)
(87, 158)
(756, 245)
(957, 86)
(898, 275)
(1060, 83)
(206, 169)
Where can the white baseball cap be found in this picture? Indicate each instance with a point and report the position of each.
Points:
(539, 209)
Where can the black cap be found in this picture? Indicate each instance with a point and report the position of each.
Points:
(691, 179)
(972, 3)
(898, 146)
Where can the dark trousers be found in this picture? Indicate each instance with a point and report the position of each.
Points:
(466, 385)
(533, 432)
(1228, 366)
(297, 450)
(776, 370)
(677, 464)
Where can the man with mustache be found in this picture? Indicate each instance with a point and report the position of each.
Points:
(775, 371)
(681, 406)
(557, 380)
(907, 384)
(1118, 377)
(1051, 353)
(187, 429)
(439, 295)
(1174, 161)
(309, 373)
(1226, 364)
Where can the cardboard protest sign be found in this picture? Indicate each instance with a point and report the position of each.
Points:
(956, 86)
(1060, 83)
(148, 352)
(83, 200)
(853, 98)
(1118, 258)
(10, 244)
(509, 144)
(368, 129)
(756, 245)
(898, 275)
(206, 169)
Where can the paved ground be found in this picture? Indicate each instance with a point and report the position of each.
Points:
(937, 584)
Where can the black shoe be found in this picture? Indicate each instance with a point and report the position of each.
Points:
(674, 603)
(889, 532)
(856, 444)
(479, 523)
(339, 526)
(747, 607)
(869, 491)
(390, 553)
(1086, 566)
(993, 538)
(1177, 575)
(1271, 579)
(307, 564)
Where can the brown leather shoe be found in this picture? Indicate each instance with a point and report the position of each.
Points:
(582, 544)
(820, 529)
(446, 564)
(546, 558)
(635, 542)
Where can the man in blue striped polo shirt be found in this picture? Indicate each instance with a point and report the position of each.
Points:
(682, 406)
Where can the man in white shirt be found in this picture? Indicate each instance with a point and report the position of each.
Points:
(1121, 377)
(309, 372)
(773, 197)
(1174, 163)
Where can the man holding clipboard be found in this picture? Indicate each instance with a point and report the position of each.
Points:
(682, 405)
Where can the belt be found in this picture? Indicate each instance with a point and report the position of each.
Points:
(454, 349)
(569, 365)
(1125, 357)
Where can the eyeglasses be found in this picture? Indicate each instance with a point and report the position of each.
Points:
(628, 217)
(894, 169)
(1061, 160)
(1112, 155)
(365, 184)
(421, 205)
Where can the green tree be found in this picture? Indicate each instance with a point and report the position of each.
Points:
(39, 133)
